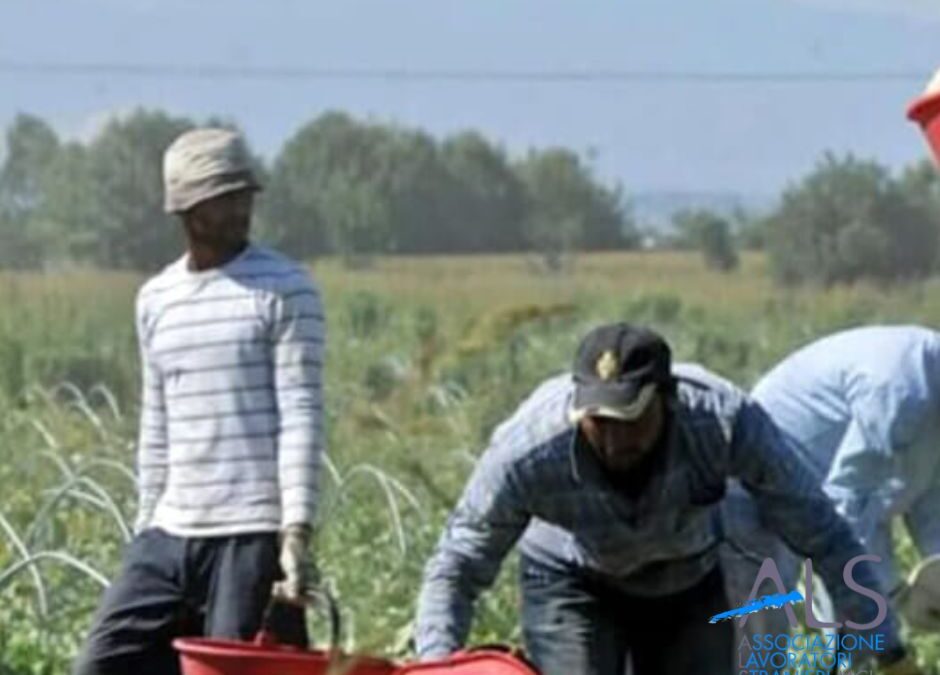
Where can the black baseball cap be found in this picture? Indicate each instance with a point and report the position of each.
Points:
(618, 369)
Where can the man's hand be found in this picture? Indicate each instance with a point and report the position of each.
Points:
(296, 564)
(904, 666)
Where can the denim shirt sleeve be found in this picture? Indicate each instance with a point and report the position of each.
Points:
(886, 462)
(795, 507)
(859, 485)
(488, 520)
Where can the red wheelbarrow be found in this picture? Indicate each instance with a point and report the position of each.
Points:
(265, 656)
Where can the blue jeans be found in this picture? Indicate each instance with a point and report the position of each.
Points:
(174, 586)
(579, 625)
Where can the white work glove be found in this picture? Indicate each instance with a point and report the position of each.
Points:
(296, 564)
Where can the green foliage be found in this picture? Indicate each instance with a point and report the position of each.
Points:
(920, 182)
(568, 210)
(125, 166)
(710, 234)
(104, 200)
(749, 229)
(366, 315)
(417, 377)
(487, 200)
(327, 191)
(31, 147)
(851, 220)
(653, 308)
(360, 189)
(339, 186)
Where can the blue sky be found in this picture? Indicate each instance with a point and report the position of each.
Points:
(748, 137)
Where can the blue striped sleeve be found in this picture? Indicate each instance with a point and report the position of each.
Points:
(298, 344)
(489, 519)
(152, 450)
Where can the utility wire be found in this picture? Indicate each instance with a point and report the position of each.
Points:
(288, 73)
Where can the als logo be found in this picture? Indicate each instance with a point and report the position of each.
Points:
(784, 599)
(766, 602)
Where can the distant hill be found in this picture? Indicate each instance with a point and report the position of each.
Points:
(654, 210)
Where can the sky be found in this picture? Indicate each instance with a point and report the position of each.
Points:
(747, 135)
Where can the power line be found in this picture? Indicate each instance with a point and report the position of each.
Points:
(613, 76)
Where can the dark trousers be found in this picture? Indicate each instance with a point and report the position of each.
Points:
(574, 625)
(176, 586)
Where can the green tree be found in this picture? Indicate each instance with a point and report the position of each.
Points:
(67, 216)
(293, 200)
(920, 183)
(357, 217)
(334, 188)
(31, 148)
(126, 161)
(748, 229)
(106, 199)
(568, 209)
(360, 189)
(710, 234)
(487, 206)
(407, 168)
(850, 220)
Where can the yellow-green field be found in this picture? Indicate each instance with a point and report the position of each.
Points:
(424, 357)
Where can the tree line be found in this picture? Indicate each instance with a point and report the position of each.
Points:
(356, 189)
(848, 220)
(339, 186)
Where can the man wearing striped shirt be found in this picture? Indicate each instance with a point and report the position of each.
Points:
(231, 341)
(610, 477)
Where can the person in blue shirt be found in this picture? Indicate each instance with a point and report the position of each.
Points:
(610, 478)
(863, 406)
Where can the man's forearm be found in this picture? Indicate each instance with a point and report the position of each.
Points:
(445, 613)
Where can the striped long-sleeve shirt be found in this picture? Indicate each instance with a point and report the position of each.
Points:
(231, 432)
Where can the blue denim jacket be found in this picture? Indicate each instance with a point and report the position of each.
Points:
(538, 482)
(865, 405)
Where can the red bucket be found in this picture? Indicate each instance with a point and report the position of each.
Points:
(200, 656)
(926, 112)
(264, 656)
(480, 661)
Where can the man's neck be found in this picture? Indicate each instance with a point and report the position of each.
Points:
(203, 257)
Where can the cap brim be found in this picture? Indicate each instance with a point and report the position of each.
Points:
(187, 198)
(615, 402)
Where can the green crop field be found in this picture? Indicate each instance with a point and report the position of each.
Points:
(425, 356)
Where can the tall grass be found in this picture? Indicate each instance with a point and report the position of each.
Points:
(425, 357)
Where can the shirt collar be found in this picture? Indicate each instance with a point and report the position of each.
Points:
(583, 462)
